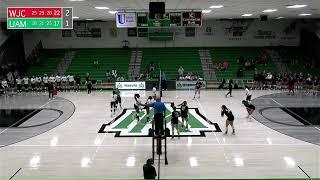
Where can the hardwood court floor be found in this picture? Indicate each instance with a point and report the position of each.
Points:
(75, 149)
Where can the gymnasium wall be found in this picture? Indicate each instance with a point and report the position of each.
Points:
(270, 33)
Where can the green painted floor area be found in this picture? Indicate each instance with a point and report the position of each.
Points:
(194, 122)
(127, 121)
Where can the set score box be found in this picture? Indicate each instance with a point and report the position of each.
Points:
(39, 18)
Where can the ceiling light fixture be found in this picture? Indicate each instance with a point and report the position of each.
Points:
(76, 0)
(269, 10)
(101, 7)
(216, 6)
(75, 17)
(246, 15)
(305, 14)
(206, 11)
(296, 6)
(89, 19)
(280, 17)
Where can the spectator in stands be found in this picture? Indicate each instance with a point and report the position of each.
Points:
(114, 72)
(247, 65)
(108, 76)
(96, 64)
(4, 85)
(181, 71)
(141, 77)
(87, 77)
(241, 60)
(120, 78)
(218, 66)
(225, 65)
(240, 72)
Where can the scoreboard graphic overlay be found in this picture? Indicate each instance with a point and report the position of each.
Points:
(39, 18)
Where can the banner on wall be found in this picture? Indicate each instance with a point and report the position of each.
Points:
(131, 85)
(126, 20)
(189, 84)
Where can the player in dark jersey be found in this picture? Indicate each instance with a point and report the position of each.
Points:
(118, 98)
(230, 88)
(198, 87)
(230, 118)
(175, 121)
(113, 102)
(184, 113)
(137, 106)
(250, 107)
(291, 83)
(149, 100)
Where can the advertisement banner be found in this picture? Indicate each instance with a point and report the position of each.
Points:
(189, 84)
(126, 20)
(131, 85)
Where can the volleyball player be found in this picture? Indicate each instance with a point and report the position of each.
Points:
(58, 80)
(149, 100)
(291, 83)
(198, 86)
(230, 118)
(184, 113)
(71, 82)
(250, 107)
(248, 93)
(45, 80)
(137, 106)
(154, 91)
(19, 81)
(175, 121)
(33, 82)
(38, 83)
(26, 83)
(113, 102)
(4, 85)
(230, 88)
(315, 86)
(64, 80)
(118, 98)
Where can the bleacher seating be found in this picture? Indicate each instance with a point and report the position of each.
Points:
(108, 59)
(170, 60)
(300, 68)
(49, 60)
(231, 55)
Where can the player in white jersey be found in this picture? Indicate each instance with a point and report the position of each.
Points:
(19, 82)
(248, 93)
(64, 81)
(71, 81)
(26, 83)
(154, 92)
(45, 80)
(4, 85)
(33, 82)
(113, 103)
(38, 83)
(58, 80)
(52, 79)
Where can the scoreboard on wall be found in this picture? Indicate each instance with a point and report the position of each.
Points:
(147, 20)
(39, 18)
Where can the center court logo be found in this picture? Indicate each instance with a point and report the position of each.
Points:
(125, 125)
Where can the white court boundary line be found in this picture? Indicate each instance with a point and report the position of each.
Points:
(25, 116)
(289, 110)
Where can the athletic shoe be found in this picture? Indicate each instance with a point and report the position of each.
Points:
(233, 132)
(226, 132)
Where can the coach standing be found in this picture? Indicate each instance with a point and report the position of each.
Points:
(159, 113)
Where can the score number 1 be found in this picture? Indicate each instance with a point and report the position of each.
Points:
(67, 18)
